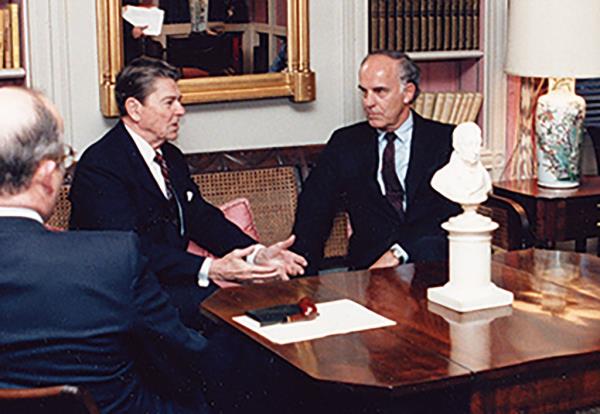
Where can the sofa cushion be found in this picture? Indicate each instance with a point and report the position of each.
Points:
(239, 213)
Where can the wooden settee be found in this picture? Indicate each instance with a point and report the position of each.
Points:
(271, 180)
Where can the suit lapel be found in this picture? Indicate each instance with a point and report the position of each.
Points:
(142, 175)
(139, 169)
(419, 153)
(176, 177)
(176, 174)
(373, 161)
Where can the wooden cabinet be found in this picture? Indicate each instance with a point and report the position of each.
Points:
(13, 42)
(557, 215)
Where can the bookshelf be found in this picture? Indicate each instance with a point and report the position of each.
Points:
(444, 36)
(424, 25)
(468, 70)
(445, 55)
(16, 73)
(13, 51)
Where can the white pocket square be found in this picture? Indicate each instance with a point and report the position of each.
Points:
(189, 195)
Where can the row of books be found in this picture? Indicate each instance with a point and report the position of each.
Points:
(10, 35)
(424, 25)
(449, 107)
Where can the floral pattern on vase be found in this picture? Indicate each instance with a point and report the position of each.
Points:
(559, 133)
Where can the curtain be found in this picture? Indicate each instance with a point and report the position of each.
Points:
(520, 142)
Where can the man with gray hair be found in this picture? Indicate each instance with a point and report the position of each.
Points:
(379, 172)
(79, 308)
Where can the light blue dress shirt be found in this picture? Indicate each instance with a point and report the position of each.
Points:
(402, 155)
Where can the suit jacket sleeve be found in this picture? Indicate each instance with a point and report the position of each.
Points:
(170, 351)
(317, 206)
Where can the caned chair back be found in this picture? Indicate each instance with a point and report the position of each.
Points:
(273, 197)
(62, 210)
(272, 193)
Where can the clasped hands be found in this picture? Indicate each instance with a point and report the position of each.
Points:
(271, 263)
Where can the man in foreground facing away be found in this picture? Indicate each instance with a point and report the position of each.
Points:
(135, 179)
(79, 308)
(379, 171)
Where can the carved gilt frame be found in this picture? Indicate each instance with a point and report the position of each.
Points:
(297, 82)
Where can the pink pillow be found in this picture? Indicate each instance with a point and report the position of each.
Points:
(239, 213)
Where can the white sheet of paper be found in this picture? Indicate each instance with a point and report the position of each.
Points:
(336, 317)
(152, 17)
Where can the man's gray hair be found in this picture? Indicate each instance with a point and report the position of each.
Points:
(24, 145)
(408, 70)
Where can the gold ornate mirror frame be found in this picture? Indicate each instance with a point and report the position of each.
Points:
(297, 82)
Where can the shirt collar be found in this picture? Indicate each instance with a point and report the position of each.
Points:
(148, 153)
(21, 212)
(402, 132)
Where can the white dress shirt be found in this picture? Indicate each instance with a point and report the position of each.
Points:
(21, 212)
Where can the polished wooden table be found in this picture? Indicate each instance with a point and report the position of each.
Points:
(555, 214)
(541, 355)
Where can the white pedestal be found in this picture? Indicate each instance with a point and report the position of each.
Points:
(470, 287)
(470, 331)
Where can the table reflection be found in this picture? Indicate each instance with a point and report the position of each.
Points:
(470, 332)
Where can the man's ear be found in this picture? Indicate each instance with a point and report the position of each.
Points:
(133, 107)
(409, 92)
(44, 176)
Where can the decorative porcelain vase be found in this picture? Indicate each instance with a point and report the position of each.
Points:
(558, 128)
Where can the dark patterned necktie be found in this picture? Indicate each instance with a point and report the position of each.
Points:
(394, 192)
(164, 169)
(174, 207)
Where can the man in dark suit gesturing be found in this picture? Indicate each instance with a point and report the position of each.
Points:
(135, 179)
(379, 171)
(79, 307)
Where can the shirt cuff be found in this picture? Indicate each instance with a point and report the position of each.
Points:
(250, 258)
(203, 280)
(399, 253)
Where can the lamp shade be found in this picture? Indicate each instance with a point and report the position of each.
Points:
(554, 38)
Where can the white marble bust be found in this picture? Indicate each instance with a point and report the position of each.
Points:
(464, 179)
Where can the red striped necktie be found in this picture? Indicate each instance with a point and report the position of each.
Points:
(164, 169)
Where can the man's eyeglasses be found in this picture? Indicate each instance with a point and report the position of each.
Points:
(67, 159)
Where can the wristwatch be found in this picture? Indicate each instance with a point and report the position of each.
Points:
(397, 253)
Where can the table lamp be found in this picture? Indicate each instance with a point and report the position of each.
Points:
(559, 40)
